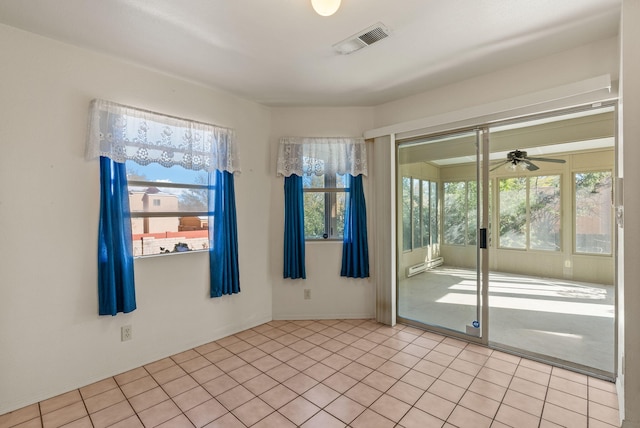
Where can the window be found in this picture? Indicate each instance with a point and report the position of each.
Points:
(168, 209)
(324, 206)
(513, 212)
(407, 241)
(460, 212)
(544, 208)
(419, 213)
(593, 212)
(119, 135)
(529, 214)
(434, 213)
(315, 200)
(168, 162)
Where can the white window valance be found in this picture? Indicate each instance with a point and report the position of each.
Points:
(318, 156)
(124, 133)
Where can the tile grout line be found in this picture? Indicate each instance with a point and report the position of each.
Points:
(361, 334)
(125, 399)
(319, 382)
(376, 370)
(86, 409)
(41, 416)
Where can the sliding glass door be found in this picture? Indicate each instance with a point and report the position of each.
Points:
(506, 236)
(552, 280)
(440, 195)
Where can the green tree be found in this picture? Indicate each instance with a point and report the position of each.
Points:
(406, 213)
(313, 214)
(455, 212)
(544, 212)
(513, 212)
(314, 225)
(587, 185)
(592, 201)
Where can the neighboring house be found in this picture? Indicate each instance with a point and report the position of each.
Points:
(153, 200)
(155, 235)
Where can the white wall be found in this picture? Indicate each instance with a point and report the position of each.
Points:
(332, 296)
(51, 338)
(561, 69)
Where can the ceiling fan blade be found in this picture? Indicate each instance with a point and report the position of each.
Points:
(531, 167)
(548, 160)
(499, 165)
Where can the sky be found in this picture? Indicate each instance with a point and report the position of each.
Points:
(157, 172)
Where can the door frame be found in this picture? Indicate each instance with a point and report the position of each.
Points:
(482, 255)
(482, 167)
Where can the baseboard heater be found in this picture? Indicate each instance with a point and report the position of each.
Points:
(421, 267)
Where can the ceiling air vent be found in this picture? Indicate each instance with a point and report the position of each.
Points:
(362, 39)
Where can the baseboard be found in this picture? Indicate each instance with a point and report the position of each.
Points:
(350, 316)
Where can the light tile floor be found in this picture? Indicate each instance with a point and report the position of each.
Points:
(333, 373)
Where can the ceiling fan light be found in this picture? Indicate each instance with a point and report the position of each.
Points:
(325, 7)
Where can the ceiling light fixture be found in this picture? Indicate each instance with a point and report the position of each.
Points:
(325, 7)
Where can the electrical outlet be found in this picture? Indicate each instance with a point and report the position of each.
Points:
(126, 333)
(307, 294)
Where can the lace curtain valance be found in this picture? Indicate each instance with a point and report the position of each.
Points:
(124, 133)
(317, 156)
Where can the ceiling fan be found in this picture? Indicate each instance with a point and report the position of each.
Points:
(518, 159)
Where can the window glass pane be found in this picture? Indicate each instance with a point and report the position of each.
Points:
(455, 221)
(158, 173)
(340, 207)
(184, 231)
(472, 212)
(544, 213)
(167, 199)
(324, 211)
(433, 212)
(426, 218)
(313, 181)
(415, 213)
(334, 216)
(406, 213)
(314, 219)
(593, 212)
(322, 181)
(513, 212)
(489, 231)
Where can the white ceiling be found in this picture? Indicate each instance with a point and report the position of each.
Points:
(279, 52)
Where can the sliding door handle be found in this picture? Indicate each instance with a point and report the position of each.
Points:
(483, 238)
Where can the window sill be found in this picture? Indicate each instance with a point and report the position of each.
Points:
(149, 256)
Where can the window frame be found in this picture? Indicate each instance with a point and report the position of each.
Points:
(330, 192)
(432, 232)
(466, 211)
(144, 215)
(407, 241)
(575, 209)
(527, 224)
